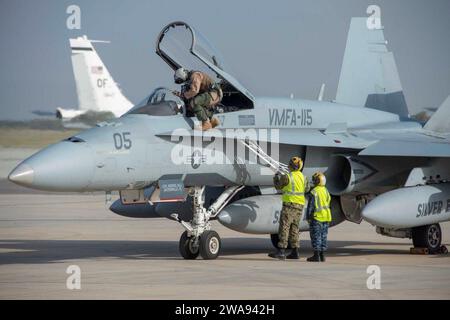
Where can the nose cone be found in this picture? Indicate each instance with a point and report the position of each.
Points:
(224, 218)
(370, 213)
(23, 175)
(65, 166)
(385, 210)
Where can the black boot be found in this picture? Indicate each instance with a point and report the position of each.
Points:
(294, 254)
(315, 257)
(322, 256)
(279, 254)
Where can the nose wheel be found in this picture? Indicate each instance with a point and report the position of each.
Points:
(199, 239)
(188, 246)
(208, 245)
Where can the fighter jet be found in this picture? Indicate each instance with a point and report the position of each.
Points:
(380, 165)
(96, 90)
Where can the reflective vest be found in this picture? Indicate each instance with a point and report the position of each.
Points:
(294, 191)
(322, 199)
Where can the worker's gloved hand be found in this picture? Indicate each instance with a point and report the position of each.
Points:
(276, 179)
(279, 180)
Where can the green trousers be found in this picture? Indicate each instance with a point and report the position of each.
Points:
(288, 232)
(201, 106)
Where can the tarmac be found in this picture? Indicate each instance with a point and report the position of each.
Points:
(42, 234)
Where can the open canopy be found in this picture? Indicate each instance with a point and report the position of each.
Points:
(180, 45)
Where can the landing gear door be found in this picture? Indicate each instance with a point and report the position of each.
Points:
(169, 190)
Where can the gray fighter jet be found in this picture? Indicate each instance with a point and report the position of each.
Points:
(380, 165)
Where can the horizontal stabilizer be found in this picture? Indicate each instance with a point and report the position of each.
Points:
(407, 149)
(440, 120)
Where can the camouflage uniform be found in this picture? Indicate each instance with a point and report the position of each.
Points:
(318, 232)
(202, 93)
(290, 216)
(289, 225)
(201, 106)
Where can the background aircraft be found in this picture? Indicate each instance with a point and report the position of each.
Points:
(380, 165)
(97, 91)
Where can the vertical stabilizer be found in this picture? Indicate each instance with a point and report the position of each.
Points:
(369, 76)
(96, 89)
(440, 120)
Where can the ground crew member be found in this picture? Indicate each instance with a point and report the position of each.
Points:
(319, 217)
(202, 95)
(293, 185)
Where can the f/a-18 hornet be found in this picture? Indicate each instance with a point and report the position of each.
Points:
(381, 166)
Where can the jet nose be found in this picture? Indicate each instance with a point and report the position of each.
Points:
(369, 214)
(225, 218)
(23, 175)
(64, 166)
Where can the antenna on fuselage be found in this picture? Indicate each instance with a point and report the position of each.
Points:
(321, 91)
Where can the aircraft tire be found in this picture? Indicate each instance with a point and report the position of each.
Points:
(210, 245)
(429, 236)
(186, 249)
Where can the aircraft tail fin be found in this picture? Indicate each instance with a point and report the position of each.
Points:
(369, 76)
(96, 89)
(440, 120)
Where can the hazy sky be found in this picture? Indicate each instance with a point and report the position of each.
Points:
(272, 47)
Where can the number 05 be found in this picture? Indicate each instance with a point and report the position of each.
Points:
(122, 140)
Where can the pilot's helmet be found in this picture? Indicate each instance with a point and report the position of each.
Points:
(319, 179)
(181, 75)
(295, 164)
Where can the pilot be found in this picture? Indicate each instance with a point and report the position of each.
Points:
(319, 217)
(202, 95)
(293, 185)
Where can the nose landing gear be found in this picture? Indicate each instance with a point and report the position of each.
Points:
(210, 245)
(198, 237)
(188, 247)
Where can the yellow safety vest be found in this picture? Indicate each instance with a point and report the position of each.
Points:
(294, 192)
(322, 199)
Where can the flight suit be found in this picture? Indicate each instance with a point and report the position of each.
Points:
(293, 202)
(202, 95)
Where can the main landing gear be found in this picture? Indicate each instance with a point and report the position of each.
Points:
(428, 239)
(199, 239)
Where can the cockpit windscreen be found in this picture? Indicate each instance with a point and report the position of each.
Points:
(161, 102)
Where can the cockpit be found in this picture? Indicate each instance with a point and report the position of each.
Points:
(180, 45)
(161, 102)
